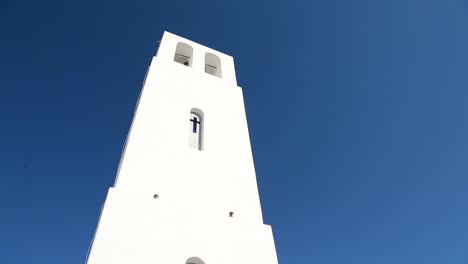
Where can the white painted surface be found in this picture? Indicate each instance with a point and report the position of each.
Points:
(197, 189)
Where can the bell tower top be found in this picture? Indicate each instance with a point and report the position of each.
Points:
(190, 132)
(201, 59)
(186, 189)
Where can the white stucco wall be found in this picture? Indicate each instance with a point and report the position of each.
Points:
(197, 189)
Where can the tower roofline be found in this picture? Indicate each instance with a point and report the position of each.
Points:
(194, 44)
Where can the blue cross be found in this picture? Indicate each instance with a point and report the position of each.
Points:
(195, 122)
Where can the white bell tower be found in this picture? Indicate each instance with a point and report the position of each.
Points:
(186, 190)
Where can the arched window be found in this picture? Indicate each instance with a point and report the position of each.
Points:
(183, 54)
(212, 64)
(194, 260)
(195, 131)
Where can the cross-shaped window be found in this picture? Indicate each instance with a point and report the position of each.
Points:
(195, 136)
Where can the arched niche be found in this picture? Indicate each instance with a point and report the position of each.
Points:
(194, 260)
(184, 54)
(196, 129)
(212, 64)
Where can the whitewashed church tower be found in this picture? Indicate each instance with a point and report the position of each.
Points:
(186, 190)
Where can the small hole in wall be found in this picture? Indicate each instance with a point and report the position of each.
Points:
(231, 214)
(155, 196)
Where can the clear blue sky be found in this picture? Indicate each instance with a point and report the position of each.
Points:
(358, 114)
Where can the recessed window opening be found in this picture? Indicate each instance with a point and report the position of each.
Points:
(212, 64)
(194, 260)
(196, 129)
(183, 54)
